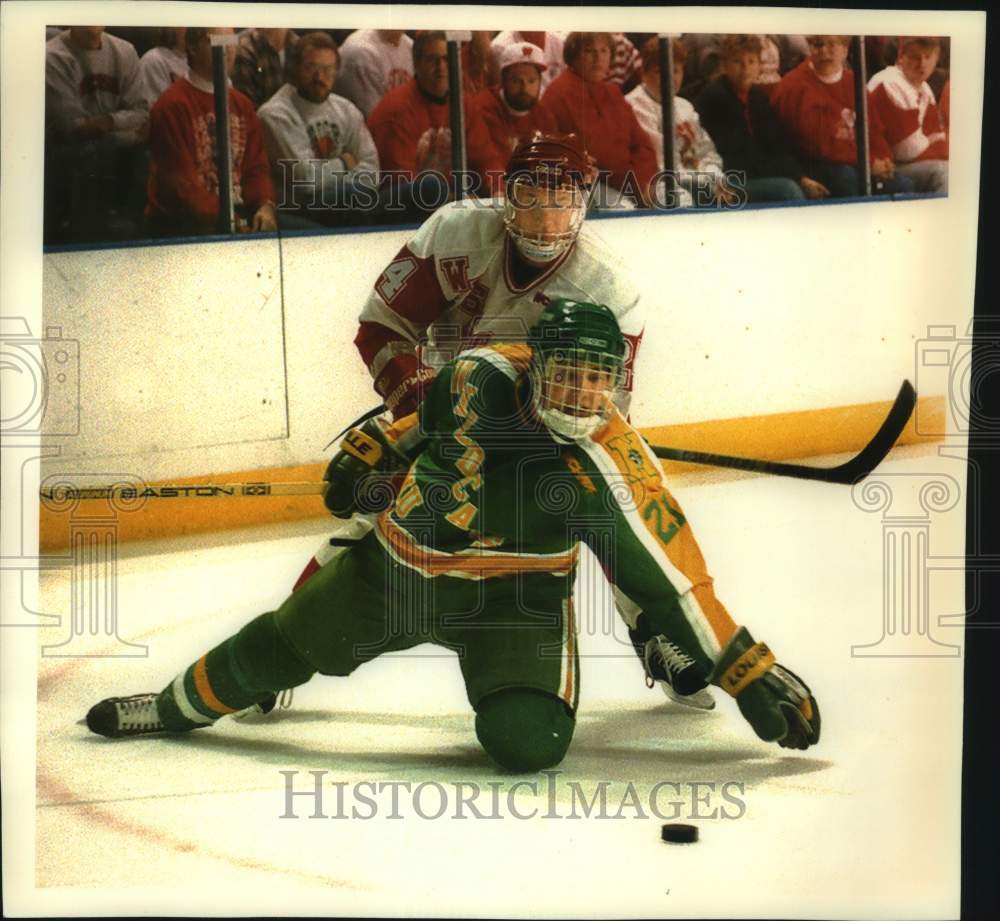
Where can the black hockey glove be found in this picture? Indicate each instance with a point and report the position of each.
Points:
(775, 701)
(360, 477)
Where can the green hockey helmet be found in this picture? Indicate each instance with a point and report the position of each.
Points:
(578, 367)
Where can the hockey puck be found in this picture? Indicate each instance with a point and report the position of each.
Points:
(676, 833)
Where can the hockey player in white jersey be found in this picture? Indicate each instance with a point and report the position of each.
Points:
(481, 270)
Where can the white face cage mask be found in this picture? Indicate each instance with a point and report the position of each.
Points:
(543, 222)
(574, 391)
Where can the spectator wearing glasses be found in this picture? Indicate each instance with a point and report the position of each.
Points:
(410, 127)
(318, 144)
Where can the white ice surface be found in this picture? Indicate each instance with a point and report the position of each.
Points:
(864, 824)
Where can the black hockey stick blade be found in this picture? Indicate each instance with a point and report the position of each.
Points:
(362, 418)
(848, 473)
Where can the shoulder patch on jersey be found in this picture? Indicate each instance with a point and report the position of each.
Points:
(629, 454)
(517, 353)
(510, 360)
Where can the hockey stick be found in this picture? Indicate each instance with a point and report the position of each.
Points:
(848, 473)
(64, 492)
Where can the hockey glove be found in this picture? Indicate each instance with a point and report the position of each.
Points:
(775, 701)
(360, 475)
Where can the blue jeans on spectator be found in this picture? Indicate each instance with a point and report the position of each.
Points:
(773, 188)
(843, 181)
(925, 175)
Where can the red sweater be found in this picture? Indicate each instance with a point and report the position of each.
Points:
(495, 132)
(183, 180)
(819, 117)
(398, 122)
(599, 114)
(913, 125)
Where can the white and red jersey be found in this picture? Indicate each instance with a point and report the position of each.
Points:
(459, 283)
(910, 115)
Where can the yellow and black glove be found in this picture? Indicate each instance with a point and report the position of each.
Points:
(361, 475)
(774, 700)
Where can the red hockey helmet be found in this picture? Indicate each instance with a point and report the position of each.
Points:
(546, 195)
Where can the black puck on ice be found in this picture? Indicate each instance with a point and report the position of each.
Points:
(676, 833)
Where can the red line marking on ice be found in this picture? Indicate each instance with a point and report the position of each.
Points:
(53, 789)
(49, 788)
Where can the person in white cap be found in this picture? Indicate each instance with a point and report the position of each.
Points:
(551, 44)
(510, 113)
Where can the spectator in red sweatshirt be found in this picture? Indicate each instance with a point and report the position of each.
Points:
(509, 113)
(410, 123)
(815, 105)
(902, 99)
(183, 189)
(585, 104)
(410, 127)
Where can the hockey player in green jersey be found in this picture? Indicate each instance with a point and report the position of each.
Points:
(516, 457)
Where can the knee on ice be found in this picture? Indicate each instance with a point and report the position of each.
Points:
(523, 729)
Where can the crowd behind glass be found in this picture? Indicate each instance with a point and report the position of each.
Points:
(334, 128)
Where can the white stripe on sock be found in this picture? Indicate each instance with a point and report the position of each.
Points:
(184, 704)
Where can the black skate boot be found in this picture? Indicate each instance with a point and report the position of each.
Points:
(676, 673)
(125, 716)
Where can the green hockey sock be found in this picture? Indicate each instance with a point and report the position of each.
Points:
(237, 673)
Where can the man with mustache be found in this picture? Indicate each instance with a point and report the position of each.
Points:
(320, 149)
(510, 113)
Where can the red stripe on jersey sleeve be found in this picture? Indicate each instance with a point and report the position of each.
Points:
(372, 338)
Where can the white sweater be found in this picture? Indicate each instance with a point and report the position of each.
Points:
(304, 132)
(159, 67)
(694, 150)
(370, 67)
(80, 84)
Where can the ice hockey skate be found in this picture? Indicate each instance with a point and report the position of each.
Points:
(117, 717)
(676, 673)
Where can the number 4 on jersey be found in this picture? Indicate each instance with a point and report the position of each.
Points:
(392, 280)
